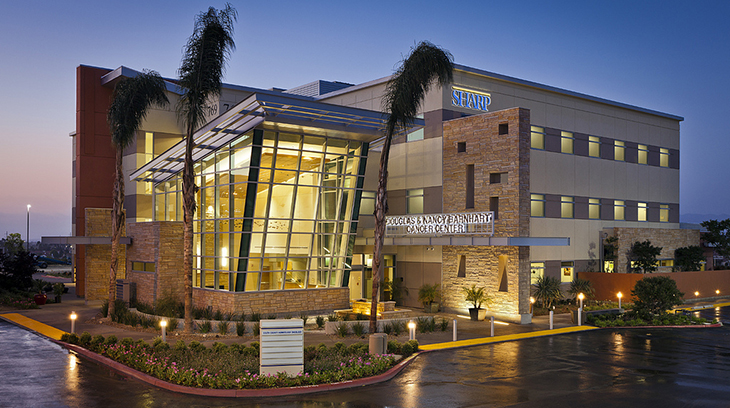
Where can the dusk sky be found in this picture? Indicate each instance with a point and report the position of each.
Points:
(669, 56)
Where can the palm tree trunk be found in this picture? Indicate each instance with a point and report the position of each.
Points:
(188, 211)
(381, 208)
(117, 224)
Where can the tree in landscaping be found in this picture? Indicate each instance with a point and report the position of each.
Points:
(16, 270)
(201, 72)
(644, 255)
(547, 291)
(655, 295)
(131, 100)
(718, 235)
(583, 286)
(12, 244)
(688, 258)
(402, 101)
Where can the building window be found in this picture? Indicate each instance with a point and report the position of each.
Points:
(494, 206)
(497, 178)
(619, 150)
(664, 213)
(462, 267)
(503, 128)
(566, 142)
(619, 210)
(537, 271)
(469, 186)
(566, 271)
(537, 137)
(367, 203)
(664, 157)
(643, 154)
(143, 266)
(414, 201)
(641, 213)
(537, 205)
(594, 146)
(416, 134)
(594, 208)
(566, 207)
(461, 147)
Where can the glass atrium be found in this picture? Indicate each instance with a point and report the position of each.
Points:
(275, 211)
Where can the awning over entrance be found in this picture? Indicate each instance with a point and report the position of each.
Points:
(470, 241)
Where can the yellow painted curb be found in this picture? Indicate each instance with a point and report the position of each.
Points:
(701, 307)
(507, 337)
(34, 325)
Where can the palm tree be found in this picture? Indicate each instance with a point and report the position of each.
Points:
(402, 101)
(201, 71)
(132, 98)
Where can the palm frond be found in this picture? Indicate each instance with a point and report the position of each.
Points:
(204, 60)
(132, 98)
(405, 91)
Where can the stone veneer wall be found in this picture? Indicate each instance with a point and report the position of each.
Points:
(159, 242)
(98, 223)
(668, 239)
(489, 152)
(275, 301)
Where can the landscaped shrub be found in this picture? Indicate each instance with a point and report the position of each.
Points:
(304, 317)
(112, 339)
(172, 324)
(205, 327)
(320, 321)
(444, 325)
(655, 295)
(85, 339)
(105, 308)
(358, 329)
(333, 317)
(342, 329)
(126, 341)
(255, 317)
(271, 317)
(256, 329)
(170, 306)
(388, 329)
(180, 345)
(425, 324)
(223, 327)
(218, 315)
(240, 328)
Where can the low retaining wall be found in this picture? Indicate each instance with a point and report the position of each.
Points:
(607, 285)
(274, 302)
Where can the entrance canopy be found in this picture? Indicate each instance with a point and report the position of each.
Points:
(274, 111)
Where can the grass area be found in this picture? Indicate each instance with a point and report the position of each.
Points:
(237, 366)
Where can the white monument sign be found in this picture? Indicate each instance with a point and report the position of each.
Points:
(282, 346)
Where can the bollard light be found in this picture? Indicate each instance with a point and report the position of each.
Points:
(532, 304)
(491, 323)
(717, 292)
(697, 293)
(619, 296)
(454, 337)
(551, 320)
(411, 330)
(163, 325)
(73, 322)
(581, 296)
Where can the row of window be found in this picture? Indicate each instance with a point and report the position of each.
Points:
(567, 142)
(567, 208)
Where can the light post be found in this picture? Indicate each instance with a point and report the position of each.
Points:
(27, 230)
(532, 304)
(717, 292)
(697, 293)
(73, 322)
(619, 296)
(580, 309)
(163, 325)
(411, 330)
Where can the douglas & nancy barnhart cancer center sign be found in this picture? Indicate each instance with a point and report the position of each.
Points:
(440, 224)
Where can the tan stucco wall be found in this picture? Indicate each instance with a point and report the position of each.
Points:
(98, 257)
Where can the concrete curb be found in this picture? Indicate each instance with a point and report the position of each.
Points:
(235, 393)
